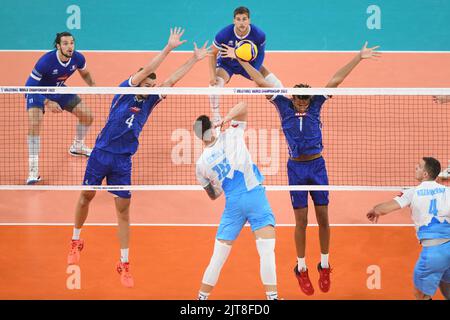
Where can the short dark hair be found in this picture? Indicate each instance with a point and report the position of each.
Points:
(241, 10)
(201, 125)
(302, 97)
(151, 76)
(432, 166)
(60, 35)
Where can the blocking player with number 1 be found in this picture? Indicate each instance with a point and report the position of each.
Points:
(118, 142)
(221, 69)
(302, 127)
(52, 70)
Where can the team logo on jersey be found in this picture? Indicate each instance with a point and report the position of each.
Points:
(231, 43)
(135, 109)
(72, 68)
(55, 71)
(299, 114)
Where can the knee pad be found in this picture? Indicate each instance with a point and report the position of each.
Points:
(220, 255)
(266, 250)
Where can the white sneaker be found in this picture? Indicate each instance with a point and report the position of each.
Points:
(445, 174)
(33, 177)
(80, 149)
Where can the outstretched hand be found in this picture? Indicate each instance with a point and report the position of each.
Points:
(174, 39)
(227, 52)
(200, 53)
(373, 216)
(441, 99)
(366, 53)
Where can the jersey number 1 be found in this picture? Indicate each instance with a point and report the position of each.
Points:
(129, 121)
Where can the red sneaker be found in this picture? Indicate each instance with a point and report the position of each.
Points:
(324, 280)
(123, 268)
(303, 281)
(74, 254)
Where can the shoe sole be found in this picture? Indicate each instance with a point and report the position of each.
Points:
(31, 182)
(76, 154)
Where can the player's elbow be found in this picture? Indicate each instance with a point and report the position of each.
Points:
(213, 197)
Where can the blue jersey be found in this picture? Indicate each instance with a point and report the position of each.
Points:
(50, 71)
(230, 38)
(303, 132)
(126, 120)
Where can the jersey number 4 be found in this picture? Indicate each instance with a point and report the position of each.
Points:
(222, 169)
(433, 207)
(129, 121)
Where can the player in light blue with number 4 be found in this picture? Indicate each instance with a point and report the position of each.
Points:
(118, 142)
(430, 206)
(226, 166)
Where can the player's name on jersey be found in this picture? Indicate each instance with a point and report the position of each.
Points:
(430, 192)
(271, 91)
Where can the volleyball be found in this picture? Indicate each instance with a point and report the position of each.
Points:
(246, 50)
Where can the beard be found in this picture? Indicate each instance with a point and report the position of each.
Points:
(67, 55)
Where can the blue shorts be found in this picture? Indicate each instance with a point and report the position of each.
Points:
(432, 267)
(115, 168)
(66, 101)
(234, 69)
(251, 206)
(311, 172)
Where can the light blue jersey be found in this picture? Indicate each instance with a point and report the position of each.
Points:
(430, 209)
(227, 165)
(430, 206)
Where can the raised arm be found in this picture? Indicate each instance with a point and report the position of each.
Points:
(341, 74)
(199, 54)
(382, 209)
(173, 42)
(258, 78)
(86, 75)
(238, 113)
(212, 65)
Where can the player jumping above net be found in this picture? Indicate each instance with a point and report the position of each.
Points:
(445, 174)
(118, 142)
(226, 166)
(430, 206)
(52, 70)
(221, 69)
(300, 121)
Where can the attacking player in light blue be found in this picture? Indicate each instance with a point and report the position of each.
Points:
(52, 70)
(430, 209)
(221, 69)
(226, 166)
(119, 141)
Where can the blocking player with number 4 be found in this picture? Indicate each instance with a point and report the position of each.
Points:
(118, 142)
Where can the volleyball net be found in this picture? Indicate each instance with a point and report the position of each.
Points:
(372, 138)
